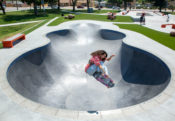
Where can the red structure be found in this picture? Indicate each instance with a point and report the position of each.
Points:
(10, 42)
(164, 25)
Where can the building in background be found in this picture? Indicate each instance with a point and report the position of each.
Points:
(171, 3)
(79, 3)
(14, 4)
(65, 2)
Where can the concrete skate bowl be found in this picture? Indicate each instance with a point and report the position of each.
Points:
(54, 75)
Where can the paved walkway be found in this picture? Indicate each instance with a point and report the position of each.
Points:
(13, 24)
(154, 21)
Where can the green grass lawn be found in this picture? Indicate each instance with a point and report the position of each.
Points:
(1, 46)
(8, 31)
(22, 16)
(160, 37)
(92, 17)
(169, 13)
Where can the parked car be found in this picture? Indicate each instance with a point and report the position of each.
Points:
(80, 6)
(98, 6)
(54, 6)
(116, 7)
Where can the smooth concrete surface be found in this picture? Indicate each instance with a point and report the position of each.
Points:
(18, 108)
(54, 75)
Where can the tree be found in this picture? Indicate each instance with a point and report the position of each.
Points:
(38, 3)
(2, 7)
(52, 2)
(17, 5)
(35, 7)
(160, 4)
(171, 5)
(99, 4)
(59, 5)
(125, 3)
(115, 2)
(35, 3)
(74, 2)
(88, 1)
(119, 2)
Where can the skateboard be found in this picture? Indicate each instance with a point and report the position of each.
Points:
(104, 79)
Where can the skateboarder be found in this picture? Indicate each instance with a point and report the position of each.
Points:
(96, 67)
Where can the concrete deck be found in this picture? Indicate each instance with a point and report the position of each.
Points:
(154, 21)
(14, 107)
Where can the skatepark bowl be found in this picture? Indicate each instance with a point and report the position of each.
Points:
(54, 75)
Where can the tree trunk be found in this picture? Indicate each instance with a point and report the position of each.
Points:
(130, 6)
(3, 10)
(35, 8)
(51, 4)
(99, 5)
(17, 5)
(117, 4)
(74, 2)
(73, 6)
(160, 8)
(125, 4)
(87, 5)
(58, 5)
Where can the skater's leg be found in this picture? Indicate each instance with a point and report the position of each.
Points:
(92, 69)
(105, 68)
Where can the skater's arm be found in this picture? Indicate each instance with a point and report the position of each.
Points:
(108, 59)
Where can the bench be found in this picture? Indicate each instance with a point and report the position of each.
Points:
(11, 41)
(164, 25)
